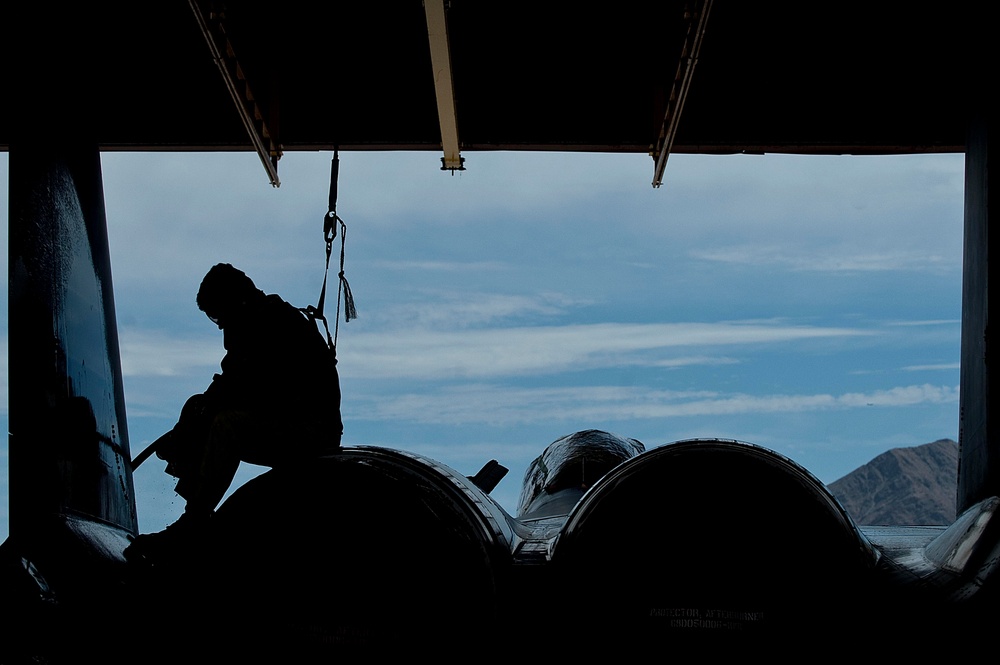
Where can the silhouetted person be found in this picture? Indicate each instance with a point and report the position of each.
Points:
(276, 401)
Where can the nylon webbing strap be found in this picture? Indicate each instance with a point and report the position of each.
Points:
(330, 221)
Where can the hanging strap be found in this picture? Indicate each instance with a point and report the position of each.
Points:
(330, 221)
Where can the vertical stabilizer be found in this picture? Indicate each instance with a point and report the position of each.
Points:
(68, 441)
(979, 464)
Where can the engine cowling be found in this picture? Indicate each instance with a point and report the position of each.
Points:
(708, 540)
(370, 549)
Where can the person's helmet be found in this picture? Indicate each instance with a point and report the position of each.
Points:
(223, 288)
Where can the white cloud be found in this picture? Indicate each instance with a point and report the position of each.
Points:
(438, 309)
(934, 322)
(694, 360)
(493, 404)
(158, 354)
(941, 366)
(444, 266)
(829, 259)
(546, 349)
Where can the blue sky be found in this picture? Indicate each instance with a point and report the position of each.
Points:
(810, 305)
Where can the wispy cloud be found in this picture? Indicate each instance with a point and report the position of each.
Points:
(442, 310)
(827, 259)
(941, 366)
(687, 361)
(918, 323)
(158, 354)
(423, 353)
(444, 266)
(548, 349)
(492, 404)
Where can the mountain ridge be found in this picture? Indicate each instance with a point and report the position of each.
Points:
(915, 485)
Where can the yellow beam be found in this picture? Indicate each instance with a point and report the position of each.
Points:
(437, 34)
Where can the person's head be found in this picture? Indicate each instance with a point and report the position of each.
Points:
(223, 290)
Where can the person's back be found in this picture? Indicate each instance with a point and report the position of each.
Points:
(278, 365)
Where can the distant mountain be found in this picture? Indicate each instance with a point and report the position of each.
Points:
(904, 486)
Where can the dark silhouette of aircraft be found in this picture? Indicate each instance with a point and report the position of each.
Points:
(710, 543)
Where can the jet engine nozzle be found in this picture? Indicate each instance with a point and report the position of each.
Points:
(706, 537)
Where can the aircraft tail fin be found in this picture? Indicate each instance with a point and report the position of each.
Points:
(69, 452)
